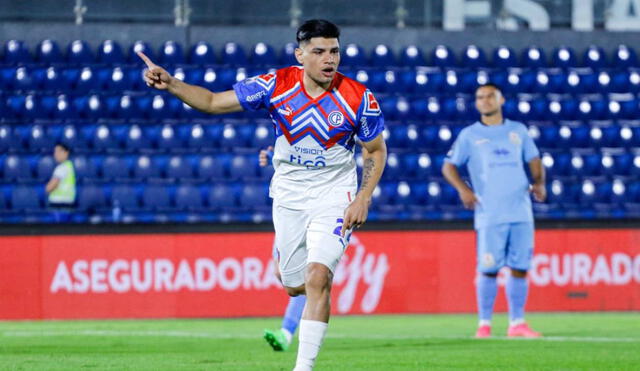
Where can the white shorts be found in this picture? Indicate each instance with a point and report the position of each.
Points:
(308, 236)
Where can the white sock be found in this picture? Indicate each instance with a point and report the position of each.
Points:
(310, 340)
(516, 322)
(484, 322)
(287, 334)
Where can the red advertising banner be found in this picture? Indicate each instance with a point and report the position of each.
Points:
(232, 275)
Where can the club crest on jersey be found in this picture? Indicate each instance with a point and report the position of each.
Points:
(515, 138)
(371, 106)
(336, 118)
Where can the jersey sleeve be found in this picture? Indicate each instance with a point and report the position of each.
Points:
(60, 172)
(458, 155)
(255, 92)
(370, 118)
(529, 148)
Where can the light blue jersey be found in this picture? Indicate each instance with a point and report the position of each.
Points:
(496, 157)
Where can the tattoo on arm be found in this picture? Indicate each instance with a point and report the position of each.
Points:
(367, 171)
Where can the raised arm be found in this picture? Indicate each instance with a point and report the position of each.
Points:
(374, 154)
(197, 97)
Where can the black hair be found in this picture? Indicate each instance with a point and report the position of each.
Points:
(317, 28)
(489, 85)
(64, 146)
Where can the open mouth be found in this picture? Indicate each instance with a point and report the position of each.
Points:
(328, 71)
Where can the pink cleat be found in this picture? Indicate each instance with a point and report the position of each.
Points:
(483, 332)
(522, 330)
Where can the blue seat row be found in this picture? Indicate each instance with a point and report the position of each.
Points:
(202, 53)
(419, 80)
(141, 197)
(160, 107)
(131, 168)
(133, 138)
(224, 166)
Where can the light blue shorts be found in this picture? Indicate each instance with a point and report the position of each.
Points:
(509, 244)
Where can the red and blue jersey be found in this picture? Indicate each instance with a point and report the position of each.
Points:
(315, 137)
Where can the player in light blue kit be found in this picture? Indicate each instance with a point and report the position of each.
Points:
(495, 151)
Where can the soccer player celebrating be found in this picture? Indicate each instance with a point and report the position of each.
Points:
(495, 150)
(317, 113)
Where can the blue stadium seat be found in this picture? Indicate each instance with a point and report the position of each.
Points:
(473, 57)
(39, 140)
(110, 52)
(140, 46)
(624, 57)
(243, 167)
(48, 52)
(171, 53)
(232, 138)
(353, 56)
(556, 164)
(16, 52)
(263, 55)
(6, 138)
(213, 167)
(382, 56)
(17, 168)
(562, 191)
(533, 57)
(18, 78)
(89, 107)
(202, 53)
(223, 196)
(156, 198)
(263, 136)
(44, 168)
(443, 56)
(120, 79)
(233, 54)
(149, 167)
(504, 57)
(411, 56)
(168, 139)
(403, 194)
(424, 82)
(116, 168)
(126, 196)
(84, 168)
(79, 53)
(91, 198)
(26, 199)
(384, 81)
(50, 80)
(287, 55)
(393, 169)
(564, 57)
(180, 168)
(87, 81)
(101, 138)
(594, 57)
(189, 198)
(254, 195)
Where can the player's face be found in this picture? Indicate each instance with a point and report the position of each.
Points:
(60, 154)
(320, 57)
(489, 101)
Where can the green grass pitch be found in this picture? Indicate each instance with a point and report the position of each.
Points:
(573, 341)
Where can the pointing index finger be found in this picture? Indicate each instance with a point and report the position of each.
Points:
(146, 60)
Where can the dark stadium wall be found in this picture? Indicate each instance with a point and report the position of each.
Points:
(277, 36)
(232, 274)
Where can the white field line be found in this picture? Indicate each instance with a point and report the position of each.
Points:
(215, 335)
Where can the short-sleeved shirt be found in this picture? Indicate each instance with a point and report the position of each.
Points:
(495, 157)
(315, 137)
